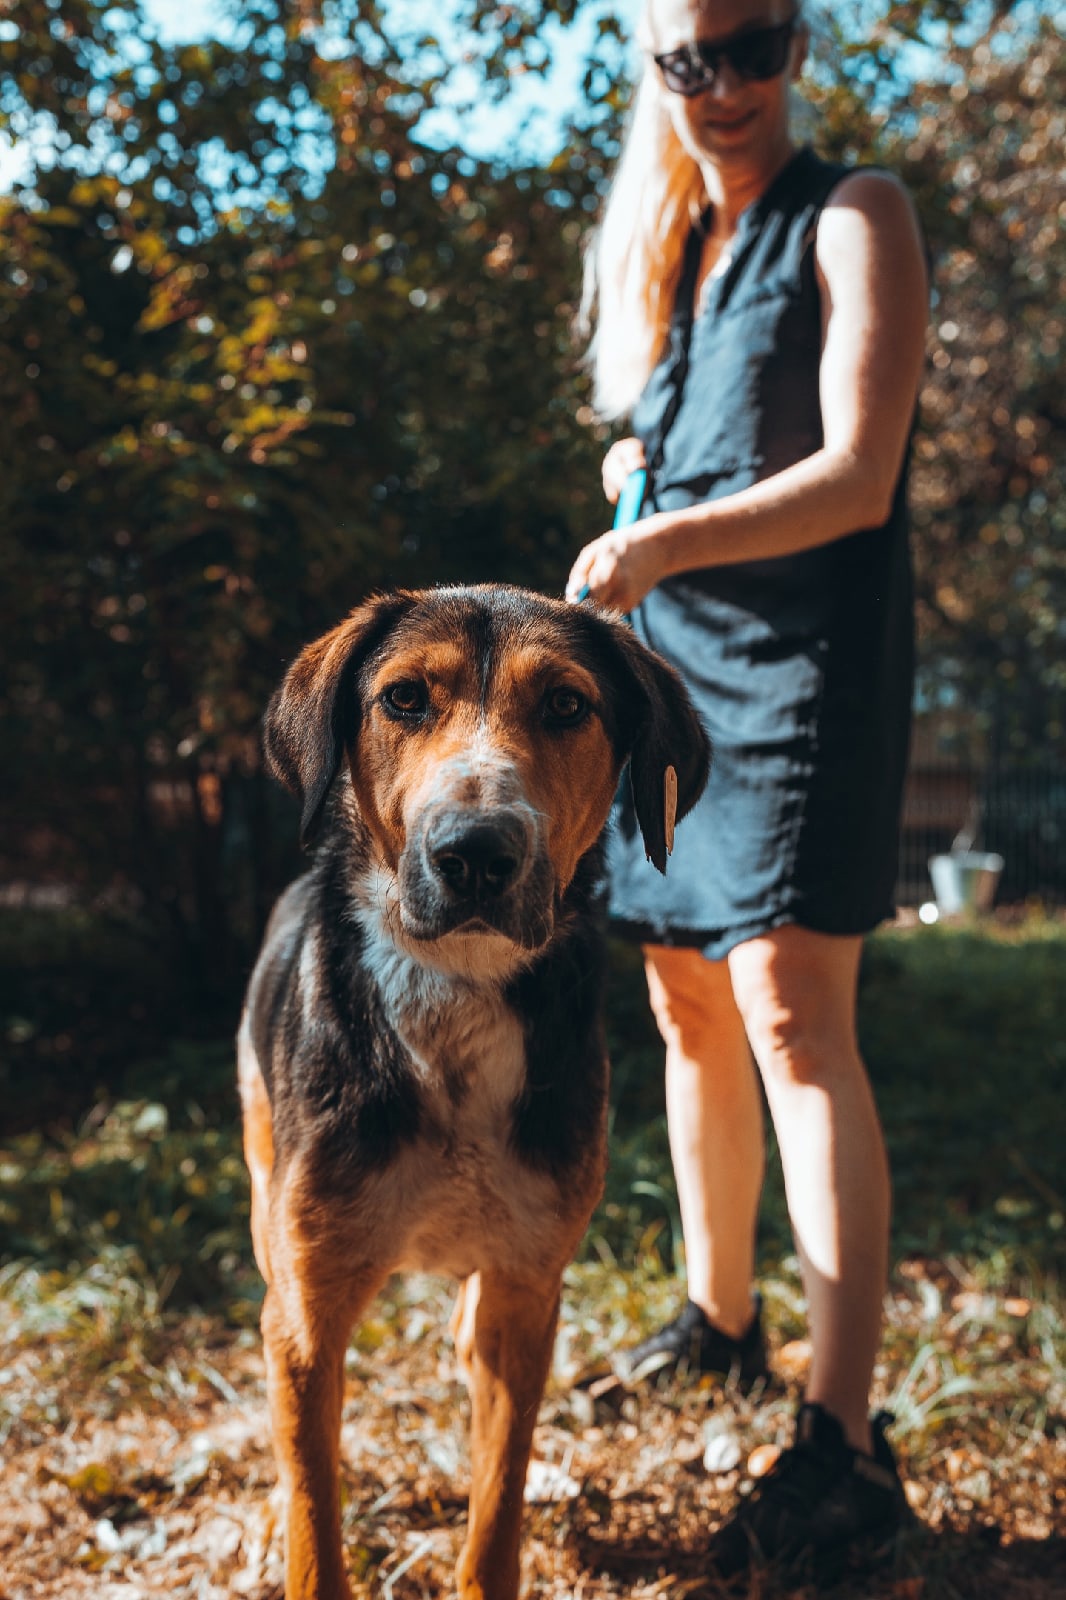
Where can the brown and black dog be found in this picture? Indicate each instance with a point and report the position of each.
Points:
(422, 1065)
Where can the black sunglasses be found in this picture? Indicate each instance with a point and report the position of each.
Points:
(753, 57)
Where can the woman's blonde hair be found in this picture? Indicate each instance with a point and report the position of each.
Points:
(633, 264)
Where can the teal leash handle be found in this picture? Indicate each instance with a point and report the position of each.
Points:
(631, 499)
(626, 511)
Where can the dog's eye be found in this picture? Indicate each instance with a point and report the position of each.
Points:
(406, 699)
(565, 707)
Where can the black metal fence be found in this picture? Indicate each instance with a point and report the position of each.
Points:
(1017, 811)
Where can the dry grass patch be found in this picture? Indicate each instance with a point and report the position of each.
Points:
(137, 1458)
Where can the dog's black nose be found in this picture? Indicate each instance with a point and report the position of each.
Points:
(479, 860)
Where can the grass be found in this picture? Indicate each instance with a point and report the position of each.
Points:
(129, 1297)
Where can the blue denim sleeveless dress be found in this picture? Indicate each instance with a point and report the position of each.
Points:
(801, 666)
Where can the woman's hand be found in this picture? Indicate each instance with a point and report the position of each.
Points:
(619, 568)
(621, 459)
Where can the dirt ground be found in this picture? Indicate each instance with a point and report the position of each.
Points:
(139, 1466)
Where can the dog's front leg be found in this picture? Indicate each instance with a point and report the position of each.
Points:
(505, 1348)
(305, 1383)
(316, 1293)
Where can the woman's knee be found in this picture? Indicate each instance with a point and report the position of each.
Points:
(691, 999)
(797, 1002)
(787, 1042)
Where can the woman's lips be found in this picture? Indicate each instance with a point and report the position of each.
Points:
(723, 124)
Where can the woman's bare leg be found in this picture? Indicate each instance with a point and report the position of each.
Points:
(715, 1118)
(796, 991)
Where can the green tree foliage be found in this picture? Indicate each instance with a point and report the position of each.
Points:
(262, 349)
(985, 160)
(231, 407)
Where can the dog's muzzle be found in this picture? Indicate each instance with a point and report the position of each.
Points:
(471, 869)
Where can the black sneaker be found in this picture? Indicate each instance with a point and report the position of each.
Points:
(692, 1347)
(822, 1505)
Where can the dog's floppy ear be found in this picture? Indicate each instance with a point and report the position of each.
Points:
(669, 751)
(314, 713)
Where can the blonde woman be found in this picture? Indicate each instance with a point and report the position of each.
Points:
(760, 317)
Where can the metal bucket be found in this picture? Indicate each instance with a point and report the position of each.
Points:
(965, 880)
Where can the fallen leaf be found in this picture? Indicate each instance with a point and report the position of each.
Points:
(794, 1358)
(722, 1452)
(762, 1458)
(548, 1482)
(958, 1463)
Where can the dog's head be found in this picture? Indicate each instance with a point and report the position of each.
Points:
(485, 730)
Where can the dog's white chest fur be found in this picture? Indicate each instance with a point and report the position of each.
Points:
(465, 1042)
(458, 1189)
